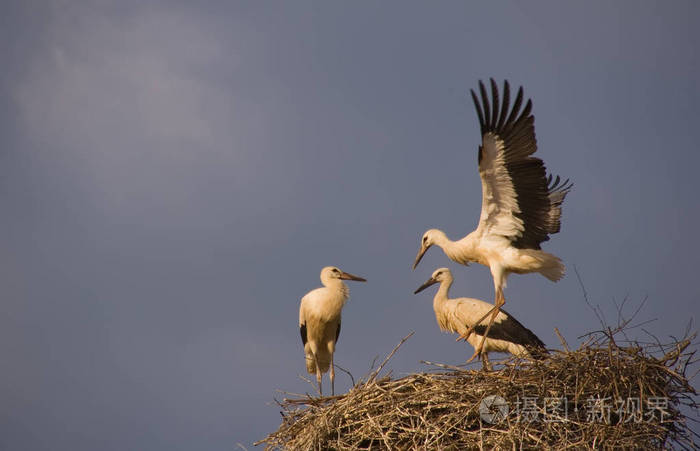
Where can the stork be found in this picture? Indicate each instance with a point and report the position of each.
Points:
(319, 321)
(457, 315)
(520, 207)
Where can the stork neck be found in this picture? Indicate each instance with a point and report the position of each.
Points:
(338, 285)
(441, 239)
(442, 293)
(452, 249)
(462, 251)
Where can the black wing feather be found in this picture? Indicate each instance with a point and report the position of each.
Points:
(516, 106)
(511, 330)
(504, 109)
(487, 109)
(479, 111)
(494, 98)
(539, 197)
(337, 333)
(302, 331)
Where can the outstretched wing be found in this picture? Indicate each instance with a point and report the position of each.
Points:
(519, 201)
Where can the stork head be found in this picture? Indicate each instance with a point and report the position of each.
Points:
(430, 237)
(331, 272)
(439, 275)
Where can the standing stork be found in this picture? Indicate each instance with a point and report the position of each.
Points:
(520, 207)
(458, 315)
(319, 321)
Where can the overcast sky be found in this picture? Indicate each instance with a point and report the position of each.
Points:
(174, 175)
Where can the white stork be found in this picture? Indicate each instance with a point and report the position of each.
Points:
(521, 205)
(457, 315)
(319, 321)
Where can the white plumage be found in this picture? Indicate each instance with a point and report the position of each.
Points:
(458, 315)
(521, 205)
(319, 321)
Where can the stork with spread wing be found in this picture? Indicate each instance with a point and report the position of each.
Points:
(521, 204)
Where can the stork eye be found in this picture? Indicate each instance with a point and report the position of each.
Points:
(335, 270)
(425, 238)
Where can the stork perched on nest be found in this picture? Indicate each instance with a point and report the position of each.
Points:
(521, 205)
(319, 321)
(458, 315)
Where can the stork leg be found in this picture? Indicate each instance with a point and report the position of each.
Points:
(500, 301)
(471, 328)
(318, 375)
(499, 280)
(332, 375)
(485, 362)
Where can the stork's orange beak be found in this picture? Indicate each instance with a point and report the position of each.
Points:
(347, 276)
(430, 281)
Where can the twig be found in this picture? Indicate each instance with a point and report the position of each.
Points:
(346, 372)
(585, 297)
(443, 365)
(396, 348)
(308, 381)
(563, 342)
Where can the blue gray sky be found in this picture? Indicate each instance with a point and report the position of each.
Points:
(174, 175)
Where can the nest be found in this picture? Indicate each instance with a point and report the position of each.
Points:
(605, 394)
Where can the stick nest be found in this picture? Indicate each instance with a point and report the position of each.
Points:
(603, 395)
